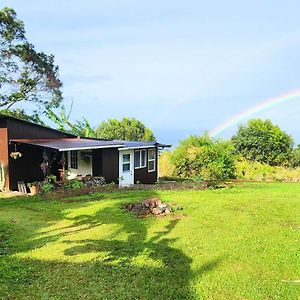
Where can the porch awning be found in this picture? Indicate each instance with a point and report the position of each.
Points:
(69, 144)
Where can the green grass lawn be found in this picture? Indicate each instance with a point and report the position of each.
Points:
(236, 243)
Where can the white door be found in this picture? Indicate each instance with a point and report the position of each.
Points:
(126, 167)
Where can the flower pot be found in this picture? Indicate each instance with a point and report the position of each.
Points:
(34, 189)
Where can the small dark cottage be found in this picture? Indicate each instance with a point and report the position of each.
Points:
(28, 152)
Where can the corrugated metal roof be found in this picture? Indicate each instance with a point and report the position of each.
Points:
(69, 144)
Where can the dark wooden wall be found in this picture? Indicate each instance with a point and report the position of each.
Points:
(110, 165)
(143, 176)
(106, 164)
(28, 167)
(18, 129)
(97, 162)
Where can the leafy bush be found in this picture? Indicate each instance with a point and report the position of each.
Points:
(75, 184)
(47, 187)
(203, 158)
(250, 170)
(51, 178)
(295, 162)
(166, 168)
(264, 142)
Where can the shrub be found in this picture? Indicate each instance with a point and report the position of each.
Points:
(296, 157)
(74, 184)
(47, 187)
(264, 142)
(204, 158)
(166, 168)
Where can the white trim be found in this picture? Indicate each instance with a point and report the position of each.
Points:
(145, 161)
(87, 148)
(152, 160)
(140, 147)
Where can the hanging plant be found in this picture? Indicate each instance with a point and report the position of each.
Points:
(15, 155)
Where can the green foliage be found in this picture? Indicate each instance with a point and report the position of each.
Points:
(47, 187)
(21, 114)
(202, 157)
(166, 168)
(264, 142)
(127, 129)
(2, 175)
(61, 120)
(252, 170)
(75, 184)
(296, 157)
(51, 178)
(25, 74)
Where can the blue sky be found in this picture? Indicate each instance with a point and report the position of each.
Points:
(181, 67)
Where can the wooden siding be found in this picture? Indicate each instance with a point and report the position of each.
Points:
(106, 164)
(142, 175)
(110, 165)
(4, 154)
(26, 168)
(18, 129)
(97, 162)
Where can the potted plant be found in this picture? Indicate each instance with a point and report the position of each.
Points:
(34, 187)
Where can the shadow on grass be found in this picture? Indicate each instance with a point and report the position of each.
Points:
(137, 267)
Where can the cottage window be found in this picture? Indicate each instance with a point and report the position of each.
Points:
(74, 159)
(140, 159)
(151, 160)
(126, 162)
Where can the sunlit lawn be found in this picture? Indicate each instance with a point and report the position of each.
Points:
(237, 243)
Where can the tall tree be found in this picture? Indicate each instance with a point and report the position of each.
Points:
(264, 142)
(26, 76)
(126, 129)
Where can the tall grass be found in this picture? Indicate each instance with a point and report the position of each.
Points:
(244, 170)
(250, 170)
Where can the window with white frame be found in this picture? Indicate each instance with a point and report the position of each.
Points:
(151, 160)
(74, 159)
(126, 163)
(139, 159)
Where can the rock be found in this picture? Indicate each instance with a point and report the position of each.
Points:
(153, 202)
(157, 211)
(167, 210)
(152, 206)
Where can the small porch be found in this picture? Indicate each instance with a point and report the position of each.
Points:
(64, 158)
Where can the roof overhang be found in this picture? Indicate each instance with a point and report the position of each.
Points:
(69, 144)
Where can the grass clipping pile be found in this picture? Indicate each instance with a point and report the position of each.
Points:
(152, 206)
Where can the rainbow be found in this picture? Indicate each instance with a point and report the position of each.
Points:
(260, 107)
